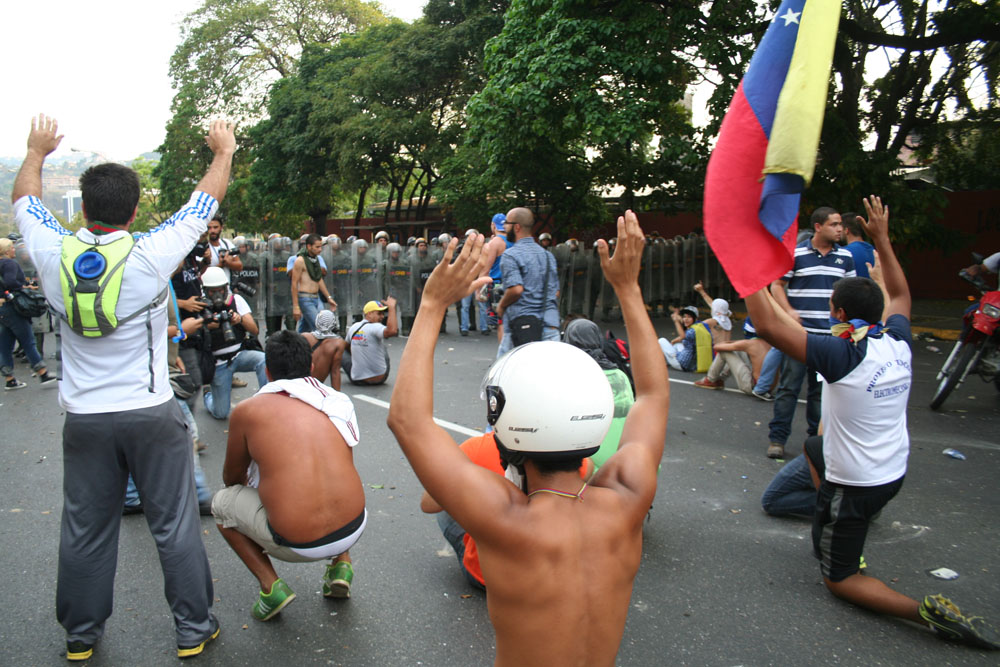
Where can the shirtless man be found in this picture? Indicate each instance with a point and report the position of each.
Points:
(560, 565)
(308, 285)
(327, 348)
(292, 491)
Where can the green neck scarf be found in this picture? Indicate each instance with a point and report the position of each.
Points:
(312, 265)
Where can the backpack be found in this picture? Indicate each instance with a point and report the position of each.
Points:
(91, 281)
(616, 350)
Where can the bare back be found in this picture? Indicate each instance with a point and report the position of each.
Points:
(559, 585)
(308, 482)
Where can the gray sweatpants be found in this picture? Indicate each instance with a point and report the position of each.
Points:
(99, 451)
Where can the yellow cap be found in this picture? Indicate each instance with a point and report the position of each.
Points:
(375, 305)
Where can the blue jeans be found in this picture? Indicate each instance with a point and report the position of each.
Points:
(217, 399)
(792, 374)
(791, 491)
(768, 369)
(454, 533)
(14, 327)
(310, 307)
(463, 313)
(507, 343)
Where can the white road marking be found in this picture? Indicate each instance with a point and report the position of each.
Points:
(736, 391)
(440, 422)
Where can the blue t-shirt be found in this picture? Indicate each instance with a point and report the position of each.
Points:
(495, 269)
(861, 252)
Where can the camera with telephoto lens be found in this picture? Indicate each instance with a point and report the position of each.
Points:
(217, 311)
(244, 289)
(199, 250)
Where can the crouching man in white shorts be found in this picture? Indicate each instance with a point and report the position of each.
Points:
(292, 491)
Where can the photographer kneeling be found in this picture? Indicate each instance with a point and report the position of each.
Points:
(228, 320)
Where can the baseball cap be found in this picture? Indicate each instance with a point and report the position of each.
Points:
(498, 221)
(375, 305)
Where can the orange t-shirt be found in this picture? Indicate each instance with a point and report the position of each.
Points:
(482, 450)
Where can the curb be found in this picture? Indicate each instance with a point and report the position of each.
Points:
(943, 334)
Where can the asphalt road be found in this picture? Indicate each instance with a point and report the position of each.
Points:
(721, 583)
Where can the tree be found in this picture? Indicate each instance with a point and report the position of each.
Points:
(231, 54)
(381, 107)
(151, 210)
(233, 50)
(582, 97)
(908, 76)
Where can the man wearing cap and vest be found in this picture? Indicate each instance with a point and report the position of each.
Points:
(368, 362)
(120, 416)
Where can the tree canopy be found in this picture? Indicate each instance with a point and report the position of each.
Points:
(559, 104)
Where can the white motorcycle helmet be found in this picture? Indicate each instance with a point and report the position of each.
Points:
(548, 400)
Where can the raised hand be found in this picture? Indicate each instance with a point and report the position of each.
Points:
(622, 270)
(453, 281)
(221, 137)
(43, 138)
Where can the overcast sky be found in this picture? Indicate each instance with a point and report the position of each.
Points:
(100, 68)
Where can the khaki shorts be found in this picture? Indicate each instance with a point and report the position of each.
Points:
(239, 507)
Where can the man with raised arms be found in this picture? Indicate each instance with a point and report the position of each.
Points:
(866, 374)
(561, 560)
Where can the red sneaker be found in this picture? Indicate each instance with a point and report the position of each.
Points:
(705, 383)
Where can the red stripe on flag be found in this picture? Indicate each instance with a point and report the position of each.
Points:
(750, 255)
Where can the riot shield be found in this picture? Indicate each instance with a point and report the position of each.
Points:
(397, 278)
(23, 260)
(423, 264)
(338, 280)
(656, 304)
(365, 262)
(279, 289)
(562, 253)
(248, 281)
(593, 288)
(646, 273)
(576, 281)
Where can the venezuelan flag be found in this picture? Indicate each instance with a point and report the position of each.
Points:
(766, 150)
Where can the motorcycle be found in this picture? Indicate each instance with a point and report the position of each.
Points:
(978, 348)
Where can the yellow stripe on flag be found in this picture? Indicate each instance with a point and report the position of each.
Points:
(798, 119)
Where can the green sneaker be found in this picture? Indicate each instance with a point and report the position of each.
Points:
(947, 620)
(337, 580)
(269, 604)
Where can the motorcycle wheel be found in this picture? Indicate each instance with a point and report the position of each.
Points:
(953, 375)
